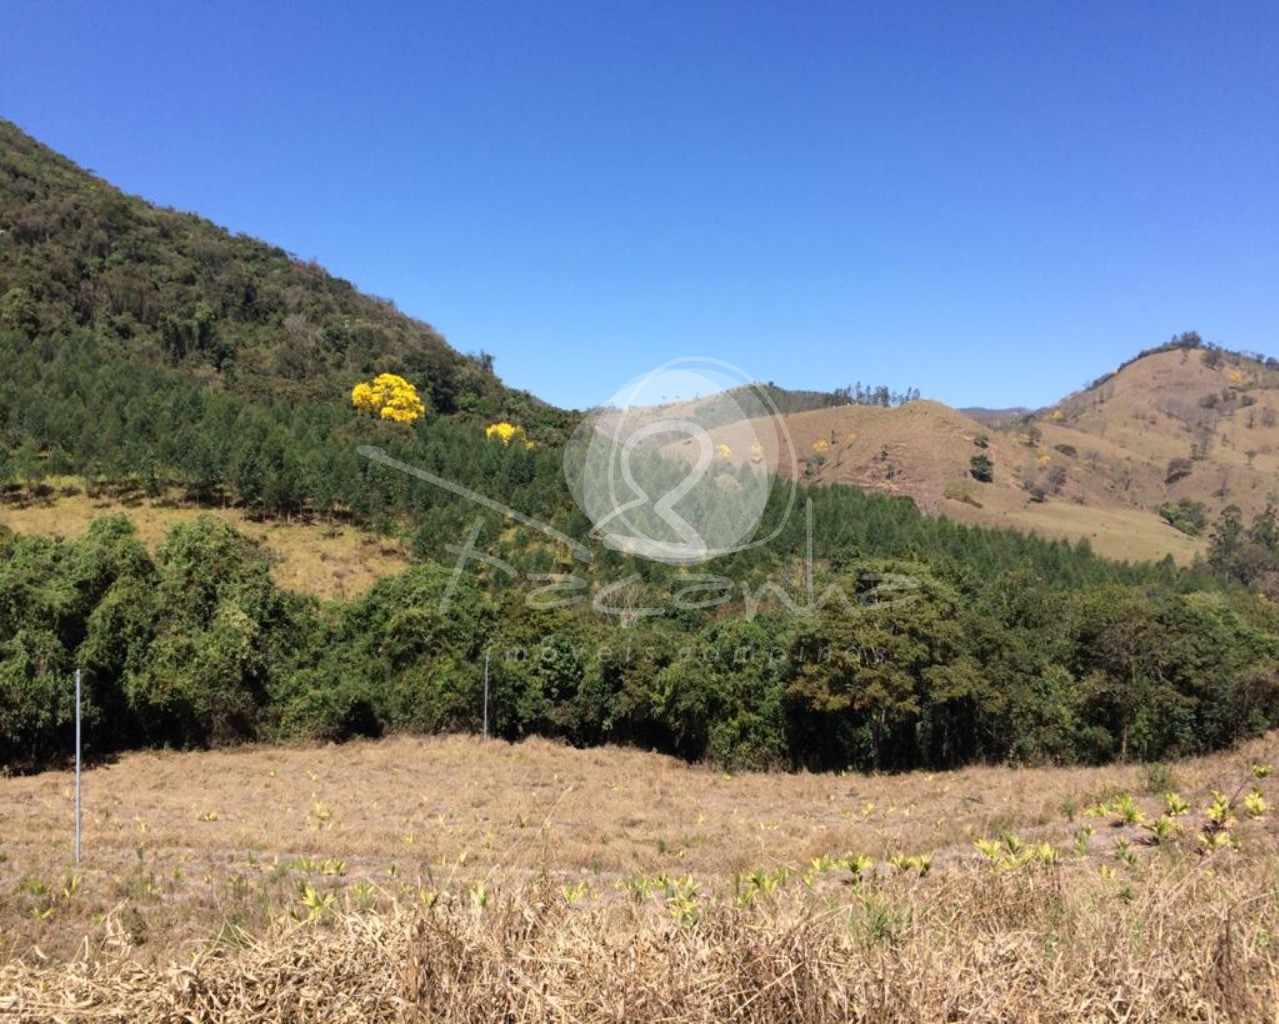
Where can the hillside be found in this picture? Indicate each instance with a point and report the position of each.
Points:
(330, 561)
(1186, 425)
(173, 289)
(108, 302)
(1198, 424)
(923, 449)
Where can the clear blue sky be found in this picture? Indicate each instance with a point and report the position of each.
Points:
(991, 202)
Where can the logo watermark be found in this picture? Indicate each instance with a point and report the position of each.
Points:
(657, 484)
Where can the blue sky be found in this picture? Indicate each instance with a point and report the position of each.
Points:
(991, 202)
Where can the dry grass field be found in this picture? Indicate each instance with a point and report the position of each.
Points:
(329, 561)
(453, 879)
(1114, 443)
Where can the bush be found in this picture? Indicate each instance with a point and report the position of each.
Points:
(982, 467)
(962, 491)
(1178, 469)
(1190, 517)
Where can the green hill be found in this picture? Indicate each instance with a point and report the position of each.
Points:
(78, 256)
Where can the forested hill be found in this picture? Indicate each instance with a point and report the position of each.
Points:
(77, 255)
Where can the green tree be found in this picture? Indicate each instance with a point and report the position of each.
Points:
(982, 467)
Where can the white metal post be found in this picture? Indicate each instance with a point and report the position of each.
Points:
(77, 766)
(486, 694)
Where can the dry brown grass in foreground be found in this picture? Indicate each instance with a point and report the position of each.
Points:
(1030, 945)
(451, 879)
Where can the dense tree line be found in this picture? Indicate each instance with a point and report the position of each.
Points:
(196, 646)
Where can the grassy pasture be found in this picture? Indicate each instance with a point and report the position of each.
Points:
(456, 879)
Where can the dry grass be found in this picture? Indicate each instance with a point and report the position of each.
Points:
(1123, 433)
(457, 880)
(1033, 947)
(331, 562)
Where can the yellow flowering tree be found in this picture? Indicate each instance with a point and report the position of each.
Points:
(508, 432)
(389, 396)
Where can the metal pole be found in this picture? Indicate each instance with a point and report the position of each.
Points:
(77, 766)
(486, 694)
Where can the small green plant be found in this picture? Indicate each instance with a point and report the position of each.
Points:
(364, 896)
(320, 816)
(858, 866)
(1044, 853)
(1125, 853)
(1260, 771)
(991, 849)
(881, 922)
(1177, 807)
(1127, 809)
(1162, 829)
(768, 882)
(681, 897)
(1219, 812)
(317, 904)
(1082, 835)
(574, 892)
(637, 886)
(821, 865)
(1254, 805)
(480, 895)
(920, 864)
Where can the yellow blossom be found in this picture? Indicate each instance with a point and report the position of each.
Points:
(389, 396)
(508, 432)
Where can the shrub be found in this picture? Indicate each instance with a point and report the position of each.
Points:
(982, 467)
(962, 491)
(1178, 469)
(1190, 517)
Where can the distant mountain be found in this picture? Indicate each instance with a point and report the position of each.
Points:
(995, 417)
